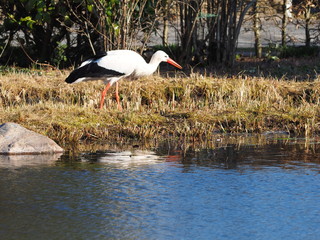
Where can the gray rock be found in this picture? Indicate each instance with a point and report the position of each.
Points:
(15, 139)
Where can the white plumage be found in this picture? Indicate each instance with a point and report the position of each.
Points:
(114, 65)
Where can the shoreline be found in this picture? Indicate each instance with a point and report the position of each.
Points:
(196, 107)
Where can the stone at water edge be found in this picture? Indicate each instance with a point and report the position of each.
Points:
(15, 139)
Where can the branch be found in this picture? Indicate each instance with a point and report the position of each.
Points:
(7, 43)
(243, 13)
(35, 62)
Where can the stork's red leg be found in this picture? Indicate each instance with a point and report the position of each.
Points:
(117, 97)
(103, 94)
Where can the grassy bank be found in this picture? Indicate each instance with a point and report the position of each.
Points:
(195, 106)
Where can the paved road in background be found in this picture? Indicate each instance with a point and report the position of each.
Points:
(269, 34)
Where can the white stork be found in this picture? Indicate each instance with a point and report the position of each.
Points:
(114, 65)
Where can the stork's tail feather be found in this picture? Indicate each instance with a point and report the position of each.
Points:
(91, 71)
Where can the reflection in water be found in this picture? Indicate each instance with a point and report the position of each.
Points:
(129, 159)
(266, 152)
(231, 190)
(30, 160)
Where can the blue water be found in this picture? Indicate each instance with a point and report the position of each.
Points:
(231, 192)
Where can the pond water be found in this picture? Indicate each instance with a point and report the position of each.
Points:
(266, 189)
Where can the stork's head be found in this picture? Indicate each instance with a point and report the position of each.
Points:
(161, 56)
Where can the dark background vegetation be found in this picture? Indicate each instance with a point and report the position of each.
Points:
(62, 33)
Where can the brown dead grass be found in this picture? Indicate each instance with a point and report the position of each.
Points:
(194, 107)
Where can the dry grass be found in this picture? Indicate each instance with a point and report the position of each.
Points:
(195, 107)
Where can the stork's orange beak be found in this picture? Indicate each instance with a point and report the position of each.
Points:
(173, 63)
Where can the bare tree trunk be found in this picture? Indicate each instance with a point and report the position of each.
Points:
(232, 34)
(307, 26)
(104, 32)
(123, 25)
(166, 6)
(189, 13)
(284, 23)
(256, 30)
(224, 28)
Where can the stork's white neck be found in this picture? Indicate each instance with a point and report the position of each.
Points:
(148, 68)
